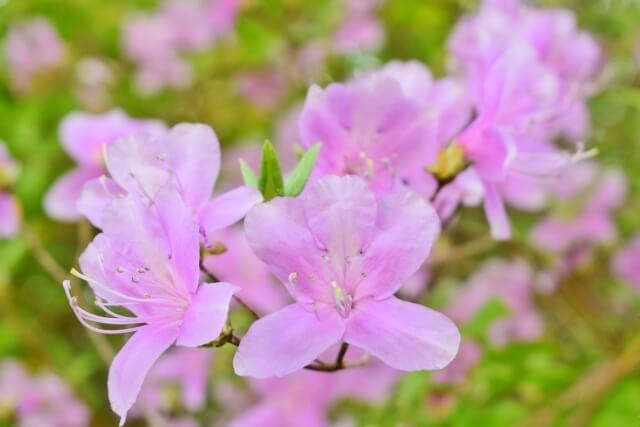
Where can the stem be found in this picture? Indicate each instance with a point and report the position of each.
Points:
(48, 263)
(591, 388)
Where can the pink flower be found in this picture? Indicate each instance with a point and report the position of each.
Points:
(594, 194)
(558, 47)
(625, 263)
(240, 266)
(188, 155)
(498, 142)
(264, 88)
(342, 255)
(371, 128)
(43, 400)
(83, 137)
(10, 211)
(156, 41)
(32, 47)
(468, 356)
(510, 283)
(304, 398)
(359, 34)
(147, 261)
(361, 30)
(189, 369)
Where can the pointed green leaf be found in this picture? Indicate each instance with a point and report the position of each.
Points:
(248, 175)
(300, 175)
(270, 183)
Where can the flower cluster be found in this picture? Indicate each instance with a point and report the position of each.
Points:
(10, 212)
(387, 159)
(155, 41)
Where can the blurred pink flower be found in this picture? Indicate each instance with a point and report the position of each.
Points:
(572, 56)
(83, 137)
(10, 211)
(187, 155)
(32, 47)
(42, 400)
(264, 88)
(147, 260)
(468, 356)
(510, 282)
(361, 31)
(305, 397)
(157, 40)
(625, 263)
(342, 255)
(593, 194)
(188, 368)
(359, 34)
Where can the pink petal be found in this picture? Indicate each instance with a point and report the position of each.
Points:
(10, 215)
(341, 212)
(287, 340)
(404, 335)
(181, 231)
(61, 200)
(138, 163)
(194, 153)
(278, 234)
(206, 315)
(132, 363)
(408, 227)
(229, 208)
(496, 213)
(96, 195)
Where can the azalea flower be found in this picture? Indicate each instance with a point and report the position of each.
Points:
(342, 255)
(508, 282)
(238, 265)
(146, 260)
(187, 368)
(39, 400)
(625, 263)
(468, 356)
(32, 47)
(156, 41)
(188, 156)
(83, 136)
(10, 211)
(368, 127)
(304, 398)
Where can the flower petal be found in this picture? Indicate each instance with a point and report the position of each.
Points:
(287, 340)
(341, 212)
(405, 336)
(278, 234)
(61, 200)
(407, 228)
(181, 232)
(132, 363)
(229, 208)
(96, 195)
(496, 213)
(194, 153)
(206, 315)
(10, 215)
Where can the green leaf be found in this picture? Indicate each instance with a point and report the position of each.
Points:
(270, 183)
(300, 175)
(248, 175)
